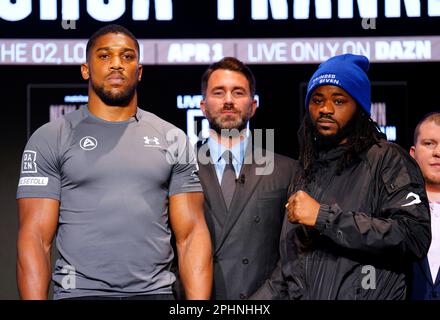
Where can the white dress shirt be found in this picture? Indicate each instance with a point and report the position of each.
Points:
(216, 151)
(434, 249)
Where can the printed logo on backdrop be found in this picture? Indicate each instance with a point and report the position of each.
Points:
(28, 164)
(88, 143)
(106, 11)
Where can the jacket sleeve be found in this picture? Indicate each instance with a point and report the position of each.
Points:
(401, 224)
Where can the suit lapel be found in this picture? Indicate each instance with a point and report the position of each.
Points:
(424, 265)
(243, 192)
(437, 280)
(210, 183)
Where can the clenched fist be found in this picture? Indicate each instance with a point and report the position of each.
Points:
(302, 208)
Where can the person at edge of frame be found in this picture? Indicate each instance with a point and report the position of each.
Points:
(425, 283)
(358, 213)
(110, 179)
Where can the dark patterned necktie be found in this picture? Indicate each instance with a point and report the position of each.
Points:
(228, 182)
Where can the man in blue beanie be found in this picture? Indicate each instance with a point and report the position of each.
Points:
(358, 212)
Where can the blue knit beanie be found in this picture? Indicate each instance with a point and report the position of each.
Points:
(347, 71)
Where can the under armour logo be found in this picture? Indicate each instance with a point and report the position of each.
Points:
(148, 140)
(88, 143)
(415, 201)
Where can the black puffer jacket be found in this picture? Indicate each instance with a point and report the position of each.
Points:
(373, 221)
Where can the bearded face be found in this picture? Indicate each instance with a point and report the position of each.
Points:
(113, 69)
(332, 111)
(228, 103)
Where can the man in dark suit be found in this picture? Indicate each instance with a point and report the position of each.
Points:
(245, 189)
(426, 151)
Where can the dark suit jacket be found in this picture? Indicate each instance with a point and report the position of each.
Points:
(245, 239)
(422, 286)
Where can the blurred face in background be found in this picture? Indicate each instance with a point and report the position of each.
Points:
(426, 152)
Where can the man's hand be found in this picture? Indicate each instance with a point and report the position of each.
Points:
(302, 208)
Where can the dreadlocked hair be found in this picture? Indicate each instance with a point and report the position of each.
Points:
(363, 134)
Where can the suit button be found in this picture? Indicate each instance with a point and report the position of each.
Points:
(257, 219)
(434, 294)
(245, 261)
(242, 296)
(214, 258)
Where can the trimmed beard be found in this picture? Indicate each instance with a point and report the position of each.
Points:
(330, 141)
(120, 99)
(237, 126)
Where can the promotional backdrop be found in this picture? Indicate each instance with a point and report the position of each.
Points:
(42, 44)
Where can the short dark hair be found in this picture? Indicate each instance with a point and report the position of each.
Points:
(232, 64)
(433, 116)
(111, 28)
